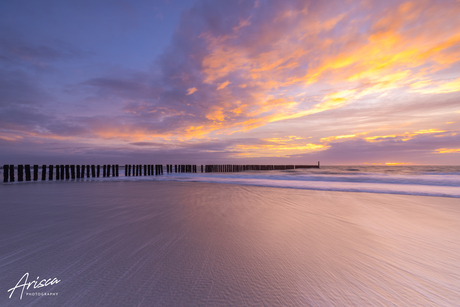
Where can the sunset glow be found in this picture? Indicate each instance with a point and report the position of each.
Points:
(235, 79)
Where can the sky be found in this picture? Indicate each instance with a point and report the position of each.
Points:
(230, 82)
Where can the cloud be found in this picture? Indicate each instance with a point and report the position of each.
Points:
(191, 90)
(340, 73)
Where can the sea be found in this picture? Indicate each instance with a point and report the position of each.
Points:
(423, 180)
(251, 238)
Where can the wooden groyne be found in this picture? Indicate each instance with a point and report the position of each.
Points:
(230, 168)
(72, 172)
(62, 172)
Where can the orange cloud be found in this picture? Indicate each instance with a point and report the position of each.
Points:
(404, 136)
(338, 137)
(223, 85)
(191, 90)
(389, 57)
(425, 87)
(398, 163)
(448, 150)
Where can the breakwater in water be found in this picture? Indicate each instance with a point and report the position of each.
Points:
(24, 172)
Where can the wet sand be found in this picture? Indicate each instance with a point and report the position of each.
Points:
(203, 244)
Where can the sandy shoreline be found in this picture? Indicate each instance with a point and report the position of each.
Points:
(173, 243)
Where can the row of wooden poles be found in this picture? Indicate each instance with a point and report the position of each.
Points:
(229, 168)
(61, 171)
(151, 170)
(76, 171)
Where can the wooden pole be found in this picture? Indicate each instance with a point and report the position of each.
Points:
(104, 170)
(51, 173)
(6, 168)
(98, 171)
(67, 172)
(116, 168)
(72, 171)
(78, 171)
(27, 167)
(20, 173)
(87, 171)
(93, 171)
(11, 173)
(35, 172)
(43, 172)
(62, 172)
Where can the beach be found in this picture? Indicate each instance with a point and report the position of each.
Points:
(169, 243)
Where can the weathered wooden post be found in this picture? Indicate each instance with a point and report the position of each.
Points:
(20, 172)
(11, 173)
(87, 171)
(78, 171)
(35, 172)
(108, 170)
(58, 177)
(129, 169)
(104, 170)
(50, 178)
(83, 171)
(72, 171)
(116, 168)
(67, 172)
(93, 171)
(62, 172)
(98, 169)
(27, 171)
(6, 168)
(43, 172)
